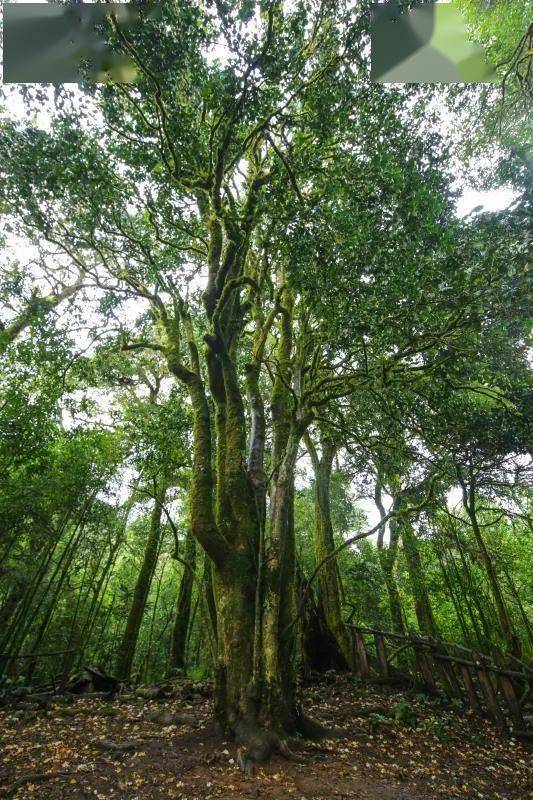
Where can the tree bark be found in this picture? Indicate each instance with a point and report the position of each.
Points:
(387, 560)
(128, 643)
(252, 564)
(469, 503)
(183, 607)
(423, 610)
(328, 579)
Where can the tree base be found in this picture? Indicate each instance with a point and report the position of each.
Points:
(255, 744)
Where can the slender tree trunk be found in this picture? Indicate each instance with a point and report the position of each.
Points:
(183, 607)
(100, 588)
(147, 669)
(470, 592)
(22, 622)
(52, 603)
(74, 637)
(128, 643)
(387, 560)
(507, 631)
(516, 595)
(19, 617)
(423, 610)
(455, 600)
(328, 580)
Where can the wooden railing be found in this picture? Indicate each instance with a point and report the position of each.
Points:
(496, 685)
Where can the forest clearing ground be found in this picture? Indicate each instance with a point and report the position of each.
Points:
(433, 752)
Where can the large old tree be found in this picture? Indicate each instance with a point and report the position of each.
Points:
(249, 165)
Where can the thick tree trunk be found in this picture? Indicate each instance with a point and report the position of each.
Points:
(279, 634)
(253, 567)
(128, 643)
(183, 607)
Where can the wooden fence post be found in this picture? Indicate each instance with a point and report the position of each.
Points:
(381, 652)
(424, 667)
(362, 660)
(490, 697)
(511, 700)
(470, 688)
(447, 669)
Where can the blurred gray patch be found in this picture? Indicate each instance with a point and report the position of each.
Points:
(56, 43)
(427, 43)
(395, 37)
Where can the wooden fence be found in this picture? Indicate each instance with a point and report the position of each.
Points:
(495, 685)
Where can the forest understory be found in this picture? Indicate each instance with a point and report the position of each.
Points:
(396, 746)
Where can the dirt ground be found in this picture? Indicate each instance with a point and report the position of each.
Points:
(398, 746)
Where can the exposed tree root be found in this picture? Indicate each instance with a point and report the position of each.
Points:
(256, 745)
(168, 718)
(30, 777)
(117, 747)
(311, 729)
(290, 755)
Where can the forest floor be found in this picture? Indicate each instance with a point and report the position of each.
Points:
(398, 746)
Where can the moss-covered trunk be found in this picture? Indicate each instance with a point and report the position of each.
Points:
(251, 553)
(128, 643)
(279, 631)
(236, 695)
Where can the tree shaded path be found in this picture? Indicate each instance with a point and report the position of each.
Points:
(397, 746)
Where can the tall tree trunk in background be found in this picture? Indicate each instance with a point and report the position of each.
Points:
(40, 535)
(145, 670)
(328, 579)
(468, 487)
(128, 644)
(417, 578)
(456, 599)
(100, 587)
(470, 592)
(53, 597)
(183, 607)
(319, 650)
(516, 595)
(387, 559)
(26, 614)
(19, 615)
